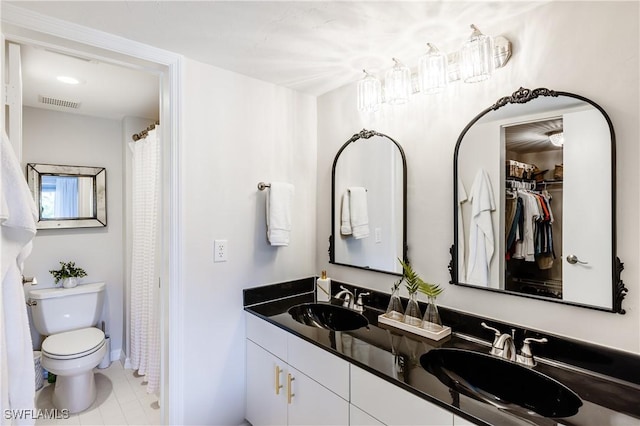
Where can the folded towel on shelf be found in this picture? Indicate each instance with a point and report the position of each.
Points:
(359, 212)
(345, 215)
(279, 205)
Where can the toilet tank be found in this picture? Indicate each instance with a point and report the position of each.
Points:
(55, 310)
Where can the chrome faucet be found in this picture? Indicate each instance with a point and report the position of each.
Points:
(348, 297)
(359, 305)
(503, 345)
(525, 356)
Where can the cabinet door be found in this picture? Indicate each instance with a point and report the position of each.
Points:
(266, 405)
(357, 417)
(393, 405)
(313, 404)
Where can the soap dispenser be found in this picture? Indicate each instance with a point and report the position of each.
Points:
(323, 288)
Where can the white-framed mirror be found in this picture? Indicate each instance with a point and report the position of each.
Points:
(68, 196)
(535, 217)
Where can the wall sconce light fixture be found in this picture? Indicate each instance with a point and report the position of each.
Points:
(478, 57)
(397, 84)
(369, 93)
(432, 70)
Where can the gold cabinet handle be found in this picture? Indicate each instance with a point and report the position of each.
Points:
(290, 395)
(278, 385)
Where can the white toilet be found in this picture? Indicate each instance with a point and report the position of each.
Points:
(73, 347)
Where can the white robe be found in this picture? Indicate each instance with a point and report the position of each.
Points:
(17, 228)
(481, 241)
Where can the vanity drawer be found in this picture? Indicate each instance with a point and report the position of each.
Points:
(270, 337)
(320, 365)
(391, 404)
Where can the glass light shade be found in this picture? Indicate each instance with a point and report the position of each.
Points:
(432, 70)
(369, 93)
(397, 84)
(477, 61)
(557, 138)
(453, 66)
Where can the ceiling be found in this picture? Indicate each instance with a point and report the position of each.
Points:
(104, 90)
(310, 46)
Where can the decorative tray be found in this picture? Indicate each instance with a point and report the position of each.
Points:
(433, 335)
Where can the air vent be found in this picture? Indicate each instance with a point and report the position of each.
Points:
(58, 102)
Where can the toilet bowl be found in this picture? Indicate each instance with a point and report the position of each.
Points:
(73, 346)
(72, 356)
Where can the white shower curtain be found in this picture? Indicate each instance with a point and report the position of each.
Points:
(145, 294)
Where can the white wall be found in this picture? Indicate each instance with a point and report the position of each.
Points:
(587, 48)
(237, 131)
(53, 137)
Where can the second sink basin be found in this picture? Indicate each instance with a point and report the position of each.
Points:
(330, 317)
(504, 384)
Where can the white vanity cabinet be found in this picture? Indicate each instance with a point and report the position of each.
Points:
(284, 380)
(357, 417)
(391, 404)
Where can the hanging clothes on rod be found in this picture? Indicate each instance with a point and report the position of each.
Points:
(528, 227)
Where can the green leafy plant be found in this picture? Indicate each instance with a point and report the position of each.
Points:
(67, 270)
(396, 285)
(415, 283)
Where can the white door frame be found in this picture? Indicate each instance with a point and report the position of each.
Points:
(25, 26)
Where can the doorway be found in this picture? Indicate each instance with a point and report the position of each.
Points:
(93, 45)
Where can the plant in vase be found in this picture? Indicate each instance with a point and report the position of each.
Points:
(431, 320)
(68, 274)
(412, 314)
(395, 310)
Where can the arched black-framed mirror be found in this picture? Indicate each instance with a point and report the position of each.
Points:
(535, 201)
(369, 204)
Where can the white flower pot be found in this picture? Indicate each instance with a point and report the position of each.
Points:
(70, 282)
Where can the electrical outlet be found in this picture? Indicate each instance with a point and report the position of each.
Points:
(220, 250)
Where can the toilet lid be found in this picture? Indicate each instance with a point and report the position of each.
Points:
(73, 344)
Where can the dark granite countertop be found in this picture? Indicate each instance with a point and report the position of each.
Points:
(394, 356)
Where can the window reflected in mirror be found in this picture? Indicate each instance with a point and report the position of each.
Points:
(68, 196)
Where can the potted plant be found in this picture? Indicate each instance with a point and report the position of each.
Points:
(68, 274)
(412, 314)
(395, 310)
(431, 320)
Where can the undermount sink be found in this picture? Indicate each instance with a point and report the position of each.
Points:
(330, 317)
(502, 383)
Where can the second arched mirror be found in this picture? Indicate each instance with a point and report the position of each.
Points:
(534, 203)
(369, 204)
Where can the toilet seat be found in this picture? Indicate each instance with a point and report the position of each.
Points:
(73, 344)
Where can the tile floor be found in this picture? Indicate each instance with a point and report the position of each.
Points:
(122, 400)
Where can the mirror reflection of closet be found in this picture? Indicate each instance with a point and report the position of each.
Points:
(568, 254)
(533, 172)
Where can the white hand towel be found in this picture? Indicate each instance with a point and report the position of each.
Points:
(279, 205)
(17, 229)
(359, 212)
(345, 216)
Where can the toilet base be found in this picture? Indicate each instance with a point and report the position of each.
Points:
(75, 393)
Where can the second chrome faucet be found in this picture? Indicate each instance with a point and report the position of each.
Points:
(504, 346)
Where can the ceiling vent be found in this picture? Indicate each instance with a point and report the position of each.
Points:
(58, 102)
